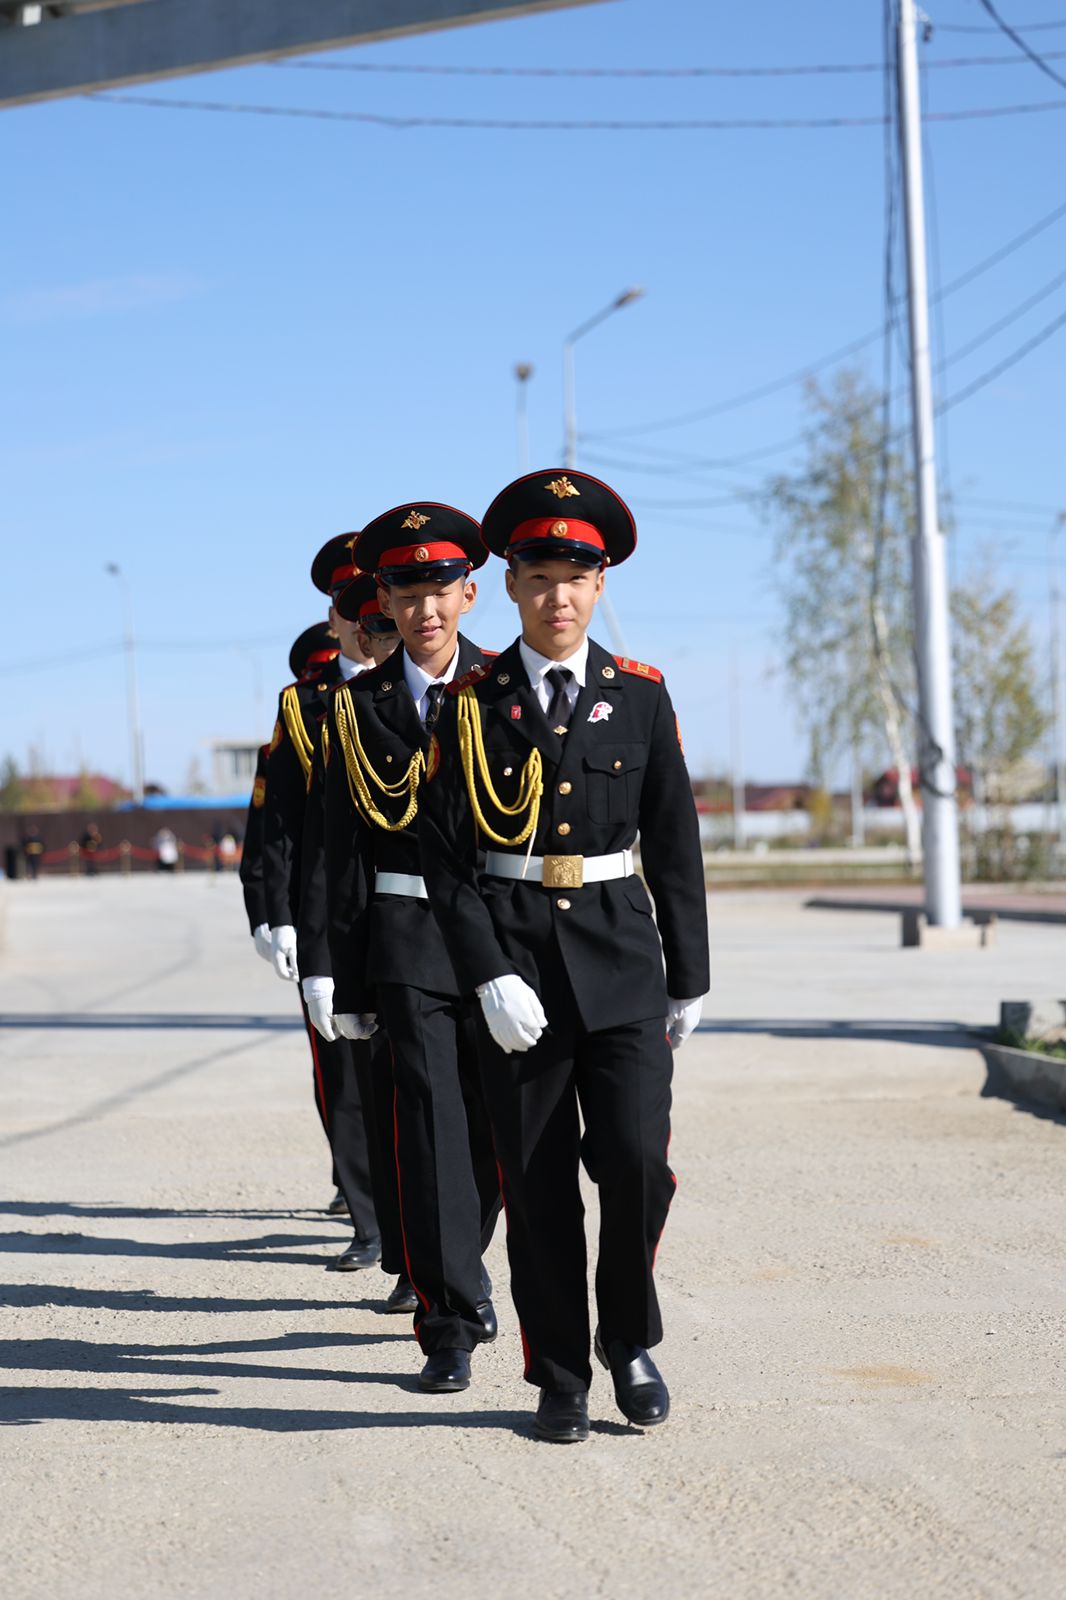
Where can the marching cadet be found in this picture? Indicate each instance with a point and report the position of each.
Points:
(553, 759)
(357, 607)
(314, 647)
(388, 956)
(300, 706)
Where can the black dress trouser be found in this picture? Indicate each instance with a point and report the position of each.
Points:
(446, 1167)
(621, 1079)
(374, 1076)
(340, 1109)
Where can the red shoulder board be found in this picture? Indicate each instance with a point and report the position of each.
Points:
(639, 669)
(467, 680)
(490, 655)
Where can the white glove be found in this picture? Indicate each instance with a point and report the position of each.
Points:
(283, 953)
(513, 1012)
(681, 1019)
(261, 935)
(356, 1025)
(318, 997)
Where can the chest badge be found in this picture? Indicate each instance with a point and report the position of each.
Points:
(601, 711)
(516, 712)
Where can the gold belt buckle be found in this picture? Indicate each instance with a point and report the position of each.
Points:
(563, 872)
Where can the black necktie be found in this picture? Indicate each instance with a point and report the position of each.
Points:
(559, 711)
(434, 696)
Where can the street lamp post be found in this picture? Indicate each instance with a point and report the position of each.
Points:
(136, 749)
(570, 421)
(523, 372)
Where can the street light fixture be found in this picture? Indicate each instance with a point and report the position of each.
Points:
(570, 422)
(136, 749)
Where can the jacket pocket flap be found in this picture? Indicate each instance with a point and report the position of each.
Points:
(615, 759)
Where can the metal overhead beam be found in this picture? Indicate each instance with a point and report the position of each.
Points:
(69, 50)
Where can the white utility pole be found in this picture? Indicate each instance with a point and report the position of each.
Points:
(736, 757)
(1058, 758)
(932, 636)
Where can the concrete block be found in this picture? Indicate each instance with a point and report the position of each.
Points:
(1025, 1075)
(976, 933)
(1034, 1019)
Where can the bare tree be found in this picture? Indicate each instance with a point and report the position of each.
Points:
(998, 715)
(843, 571)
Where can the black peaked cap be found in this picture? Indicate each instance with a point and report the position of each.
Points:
(556, 502)
(417, 530)
(318, 637)
(334, 556)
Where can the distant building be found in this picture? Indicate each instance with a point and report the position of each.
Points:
(83, 791)
(233, 765)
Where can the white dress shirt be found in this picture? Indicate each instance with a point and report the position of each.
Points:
(538, 666)
(419, 682)
(348, 667)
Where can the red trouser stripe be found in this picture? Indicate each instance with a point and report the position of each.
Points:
(320, 1088)
(399, 1181)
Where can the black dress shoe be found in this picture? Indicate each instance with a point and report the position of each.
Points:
(338, 1206)
(486, 1312)
(562, 1416)
(445, 1372)
(639, 1390)
(486, 1283)
(360, 1253)
(403, 1297)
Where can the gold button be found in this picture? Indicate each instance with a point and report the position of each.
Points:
(507, 771)
(565, 788)
(564, 905)
(618, 766)
(564, 827)
(388, 758)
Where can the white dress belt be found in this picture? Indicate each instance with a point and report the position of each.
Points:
(593, 869)
(400, 883)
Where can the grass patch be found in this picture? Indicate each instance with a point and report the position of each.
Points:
(1042, 1047)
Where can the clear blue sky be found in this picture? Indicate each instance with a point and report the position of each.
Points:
(226, 338)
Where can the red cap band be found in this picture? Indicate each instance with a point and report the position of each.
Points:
(318, 657)
(418, 555)
(343, 575)
(369, 608)
(558, 529)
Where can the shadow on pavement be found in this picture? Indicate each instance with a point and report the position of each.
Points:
(179, 1360)
(945, 1035)
(23, 1407)
(266, 1249)
(101, 1208)
(30, 1295)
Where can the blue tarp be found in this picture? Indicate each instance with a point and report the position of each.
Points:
(188, 802)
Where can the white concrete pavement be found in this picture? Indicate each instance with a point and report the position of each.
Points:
(863, 1283)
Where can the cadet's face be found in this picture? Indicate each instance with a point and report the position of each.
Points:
(427, 614)
(555, 600)
(379, 646)
(349, 635)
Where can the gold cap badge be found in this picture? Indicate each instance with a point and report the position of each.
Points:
(562, 488)
(421, 554)
(560, 530)
(414, 519)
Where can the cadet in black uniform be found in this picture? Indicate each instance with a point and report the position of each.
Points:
(389, 959)
(315, 646)
(355, 607)
(300, 707)
(553, 759)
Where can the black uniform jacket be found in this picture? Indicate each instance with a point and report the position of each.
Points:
(378, 938)
(617, 771)
(312, 942)
(300, 706)
(252, 849)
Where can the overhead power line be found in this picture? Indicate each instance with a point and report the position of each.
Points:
(1039, 61)
(819, 69)
(1003, 366)
(841, 353)
(566, 125)
(1020, 27)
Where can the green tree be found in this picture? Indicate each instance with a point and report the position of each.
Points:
(12, 788)
(843, 572)
(998, 716)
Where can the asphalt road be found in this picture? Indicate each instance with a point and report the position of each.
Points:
(863, 1284)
